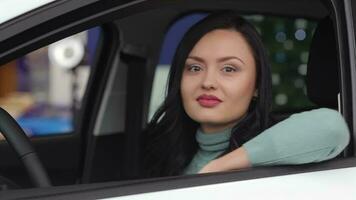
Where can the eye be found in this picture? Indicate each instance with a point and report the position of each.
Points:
(194, 68)
(229, 68)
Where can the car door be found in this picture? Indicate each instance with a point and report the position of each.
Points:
(48, 93)
(109, 151)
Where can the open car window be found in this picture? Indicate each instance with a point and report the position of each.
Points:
(118, 98)
(287, 41)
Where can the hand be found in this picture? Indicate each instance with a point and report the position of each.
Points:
(212, 166)
(234, 160)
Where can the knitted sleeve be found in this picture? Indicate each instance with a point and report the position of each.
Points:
(306, 137)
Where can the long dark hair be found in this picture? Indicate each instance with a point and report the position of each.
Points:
(169, 140)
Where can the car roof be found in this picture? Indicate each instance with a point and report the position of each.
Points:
(10, 9)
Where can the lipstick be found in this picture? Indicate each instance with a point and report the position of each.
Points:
(208, 101)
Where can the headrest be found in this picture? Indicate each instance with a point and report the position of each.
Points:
(322, 71)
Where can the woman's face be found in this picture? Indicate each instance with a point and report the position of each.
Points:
(218, 80)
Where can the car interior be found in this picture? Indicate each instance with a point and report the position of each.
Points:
(103, 146)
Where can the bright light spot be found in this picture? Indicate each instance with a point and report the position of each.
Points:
(276, 79)
(281, 99)
(301, 23)
(281, 36)
(304, 56)
(300, 34)
(66, 53)
(302, 69)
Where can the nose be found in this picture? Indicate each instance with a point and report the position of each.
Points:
(209, 80)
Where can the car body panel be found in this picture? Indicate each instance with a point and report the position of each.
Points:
(327, 183)
(10, 9)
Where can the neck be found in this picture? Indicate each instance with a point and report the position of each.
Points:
(215, 128)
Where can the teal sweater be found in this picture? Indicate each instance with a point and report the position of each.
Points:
(306, 137)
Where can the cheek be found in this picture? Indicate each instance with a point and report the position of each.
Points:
(250, 86)
(242, 90)
(186, 88)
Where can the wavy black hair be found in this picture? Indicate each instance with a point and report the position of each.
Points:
(169, 140)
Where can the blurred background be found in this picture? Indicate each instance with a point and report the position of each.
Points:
(43, 89)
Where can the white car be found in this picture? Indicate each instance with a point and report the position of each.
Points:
(109, 57)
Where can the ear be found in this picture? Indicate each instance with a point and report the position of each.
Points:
(255, 94)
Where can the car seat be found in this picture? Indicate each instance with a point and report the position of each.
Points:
(322, 77)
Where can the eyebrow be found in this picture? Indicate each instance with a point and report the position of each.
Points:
(220, 59)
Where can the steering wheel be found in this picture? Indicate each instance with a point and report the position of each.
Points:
(18, 140)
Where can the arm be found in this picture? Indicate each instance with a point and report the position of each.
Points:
(306, 137)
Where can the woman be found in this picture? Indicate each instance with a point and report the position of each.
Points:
(216, 115)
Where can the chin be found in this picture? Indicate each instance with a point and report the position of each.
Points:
(208, 119)
(206, 116)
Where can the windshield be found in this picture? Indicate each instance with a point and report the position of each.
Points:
(10, 9)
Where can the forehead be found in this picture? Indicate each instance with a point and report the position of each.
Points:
(222, 42)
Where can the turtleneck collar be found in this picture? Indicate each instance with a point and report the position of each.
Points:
(217, 141)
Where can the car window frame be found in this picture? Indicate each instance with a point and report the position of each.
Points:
(350, 20)
(339, 13)
(180, 182)
(133, 187)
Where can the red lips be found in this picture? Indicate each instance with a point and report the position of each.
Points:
(208, 101)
